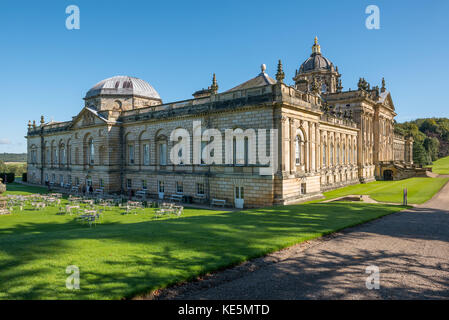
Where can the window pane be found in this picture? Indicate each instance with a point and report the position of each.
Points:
(146, 154)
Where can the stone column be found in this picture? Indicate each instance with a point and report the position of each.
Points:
(284, 153)
(317, 147)
(312, 147)
(292, 145)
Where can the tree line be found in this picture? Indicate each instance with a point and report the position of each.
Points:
(13, 157)
(431, 138)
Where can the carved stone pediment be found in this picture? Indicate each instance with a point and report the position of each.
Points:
(86, 118)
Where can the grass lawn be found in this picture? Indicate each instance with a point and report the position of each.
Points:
(20, 189)
(128, 255)
(419, 190)
(441, 166)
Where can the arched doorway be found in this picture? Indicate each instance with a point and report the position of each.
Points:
(388, 175)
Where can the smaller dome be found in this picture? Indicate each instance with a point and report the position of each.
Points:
(123, 85)
(316, 62)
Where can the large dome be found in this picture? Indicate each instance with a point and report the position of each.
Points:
(123, 85)
(316, 62)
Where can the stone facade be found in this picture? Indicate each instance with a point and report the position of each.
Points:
(122, 140)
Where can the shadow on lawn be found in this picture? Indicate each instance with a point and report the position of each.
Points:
(212, 241)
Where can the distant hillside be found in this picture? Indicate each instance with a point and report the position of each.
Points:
(431, 137)
(13, 157)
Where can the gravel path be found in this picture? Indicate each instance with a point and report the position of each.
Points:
(410, 248)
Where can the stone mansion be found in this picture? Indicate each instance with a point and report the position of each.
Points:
(326, 138)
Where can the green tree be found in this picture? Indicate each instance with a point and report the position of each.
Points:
(429, 125)
(432, 146)
(420, 155)
(2, 166)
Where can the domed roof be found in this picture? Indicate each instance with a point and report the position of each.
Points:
(316, 62)
(123, 85)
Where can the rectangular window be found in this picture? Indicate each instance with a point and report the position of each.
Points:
(131, 153)
(239, 192)
(303, 188)
(146, 154)
(161, 186)
(53, 178)
(203, 145)
(77, 181)
(163, 154)
(144, 184)
(200, 188)
(128, 183)
(239, 152)
(61, 179)
(69, 179)
(324, 155)
(179, 187)
(101, 183)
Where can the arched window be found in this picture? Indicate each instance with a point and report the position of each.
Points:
(69, 154)
(54, 151)
(77, 156)
(62, 154)
(146, 154)
(91, 151)
(163, 153)
(131, 153)
(298, 150)
(246, 150)
(324, 154)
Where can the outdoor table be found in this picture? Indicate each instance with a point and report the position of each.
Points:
(69, 209)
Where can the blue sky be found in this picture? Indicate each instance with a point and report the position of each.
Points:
(177, 45)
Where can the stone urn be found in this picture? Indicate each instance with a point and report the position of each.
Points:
(3, 200)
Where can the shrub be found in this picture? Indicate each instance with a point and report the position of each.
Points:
(7, 177)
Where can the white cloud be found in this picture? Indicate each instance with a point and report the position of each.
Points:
(5, 141)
